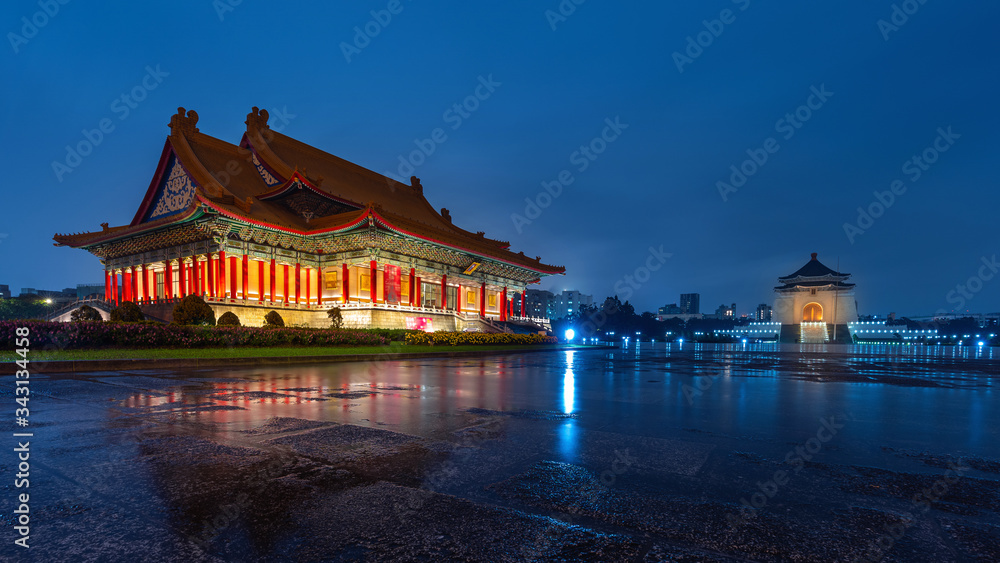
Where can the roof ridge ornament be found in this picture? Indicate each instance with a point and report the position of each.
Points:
(184, 123)
(415, 184)
(257, 119)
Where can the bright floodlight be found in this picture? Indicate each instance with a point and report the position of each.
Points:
(48, 301)
(570, 333)
(981, 343)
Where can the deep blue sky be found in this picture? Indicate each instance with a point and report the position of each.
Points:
(655, 185)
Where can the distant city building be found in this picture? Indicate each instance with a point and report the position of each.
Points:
(726, 312)
(671, 309)
(763, 313)
(85, 290)
(5, 292)
(690, 303)
(568, 303)
(538, 303)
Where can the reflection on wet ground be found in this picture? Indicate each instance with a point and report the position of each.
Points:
(717, 453)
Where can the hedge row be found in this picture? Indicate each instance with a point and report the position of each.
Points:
(81, 335)
(476, 338)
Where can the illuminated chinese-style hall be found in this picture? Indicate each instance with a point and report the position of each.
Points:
(814, 305)
(275, 224)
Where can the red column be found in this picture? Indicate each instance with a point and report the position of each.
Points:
(210, 274)
(482, 299)
(126, 285)
(232, 277)
(152, 284)
(319, 287)
(308, 284)
(417, 286)
(196, 275)
(145, 283)
(413, 275)
(345, 284)
(260, 281)
(181, 278)
(203, 277)
(114, 288)
(272, 280)
(373, 286)
(503, 304)
(107, 286)
(522, 304)
(168, 279)
(298, 278)
(444, 292)
(246, 275)
(220, 283)
(284, 267)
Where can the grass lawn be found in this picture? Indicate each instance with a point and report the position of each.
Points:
(184, 353)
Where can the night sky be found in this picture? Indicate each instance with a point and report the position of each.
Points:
(879, 97)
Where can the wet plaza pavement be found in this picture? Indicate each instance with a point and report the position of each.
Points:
(655, 453)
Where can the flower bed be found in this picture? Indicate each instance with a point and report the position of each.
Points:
(474, 338)
(82, 335)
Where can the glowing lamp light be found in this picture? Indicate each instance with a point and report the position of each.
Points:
(570, 333)
(981, 343)
(48, 301)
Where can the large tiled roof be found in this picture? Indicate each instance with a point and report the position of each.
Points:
(299, 179)
(814, 269)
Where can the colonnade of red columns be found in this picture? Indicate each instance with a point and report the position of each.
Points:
(208, 277)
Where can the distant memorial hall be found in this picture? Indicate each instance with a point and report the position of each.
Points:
(275, 224)
(815, 304)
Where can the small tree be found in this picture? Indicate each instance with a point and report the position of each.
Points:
(273, 320)
(127, 312)
(228, 318)
(336, 318)
(192, 310)
(85, 313)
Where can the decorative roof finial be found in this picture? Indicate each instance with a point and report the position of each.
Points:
(446, 214)
(181, 123)
(415, 184)
(257, 119)
(814, 255)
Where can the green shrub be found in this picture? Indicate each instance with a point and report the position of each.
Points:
(273, 320)
(192, 310)
(127, 312)
(228, 318)
(85, 313)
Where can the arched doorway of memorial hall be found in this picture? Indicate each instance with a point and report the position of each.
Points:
(812, 312)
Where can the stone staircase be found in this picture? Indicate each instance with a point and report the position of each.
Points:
(813, 333)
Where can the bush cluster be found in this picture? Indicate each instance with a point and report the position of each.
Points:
(476, 338)
(127, 312)
(91, 334)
